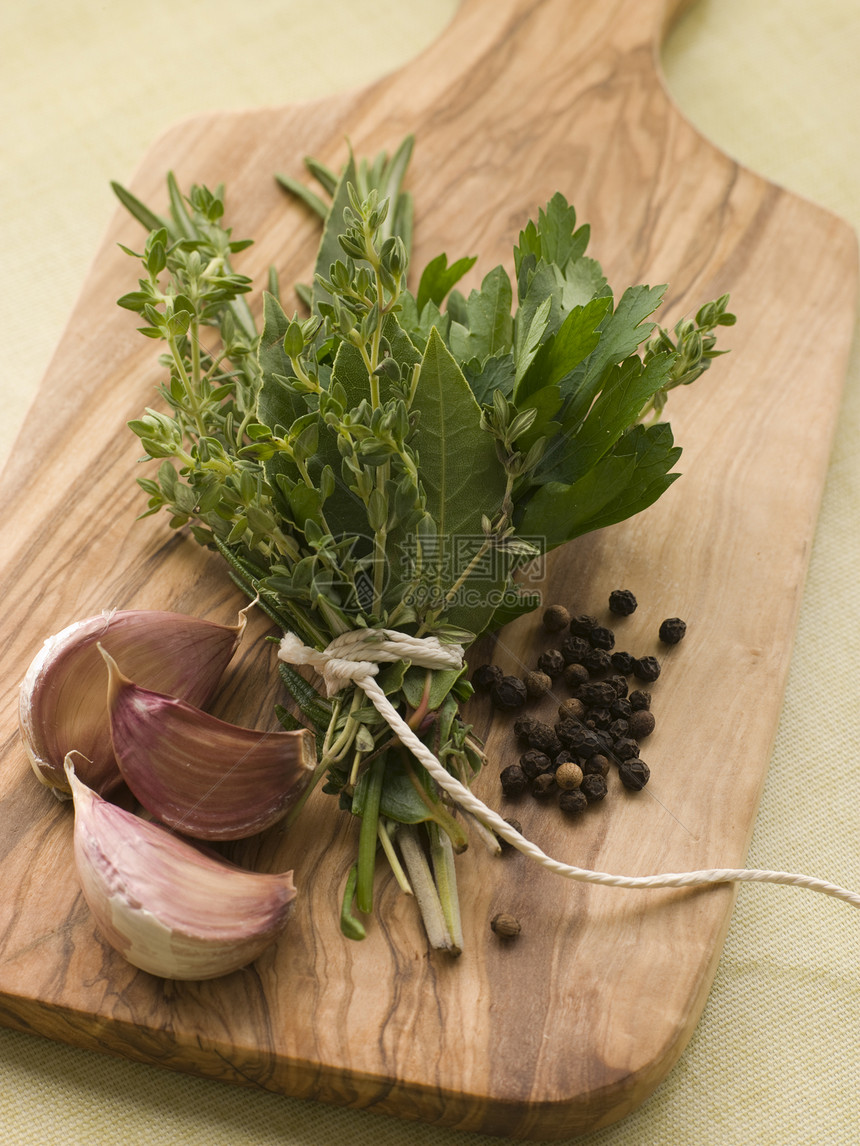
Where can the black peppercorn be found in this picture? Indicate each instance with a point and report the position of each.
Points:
(573, 649)
(619, 728)
(509, 693)
(646, 668)
(634, 774)
(597, 692)
(505, 845)
(599, 717)
(597, 661)
(485, 676)
(625, 748)
(579, 739)
(641, 724)
(551, 662)
(544, 739)
(594, 787)
(575, 675)
(622, 662)
(596, 765)
(544, 785)
(639, 699)
(555, 618)
(621, 708)
(573, 802)
(514, 780)
(582, 624)
(537, 684)
(622, 602)
(672, 630)
(523, 727)
(619, 683)
(601, 638)
(534, 762)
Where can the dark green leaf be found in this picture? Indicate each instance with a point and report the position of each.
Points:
(438, 278)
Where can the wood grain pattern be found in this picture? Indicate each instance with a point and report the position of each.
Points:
(576, 1023)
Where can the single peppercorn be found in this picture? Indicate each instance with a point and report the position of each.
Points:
(543, 786)
(514, 780)
(537, 684)
(556, 618)
(573, 649)
(551, 662)
(622, 602)
(625, 748)
(485, 676)
(619, 728)
(582, 624)
(641, 724)
(622, 662)
(621, 708)
(505, 926)
(579, 739)
(544, 738)
(597, 661)
(646, 668)
(568, 776)
(575, 675)
(509, 694)
(597, 692)
(534, 762)
(504, 844)
(571, 709)
(639, 699)
(601, 638)
(596, 765)
(574, 802)
(672, 630)
(598, 717)
(634, 774)
(523, 727)
(594, 787)
(619, 683)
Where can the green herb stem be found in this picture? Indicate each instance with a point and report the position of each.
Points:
(424, 889)
(368, 836)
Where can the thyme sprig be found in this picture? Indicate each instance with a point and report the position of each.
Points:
(395, 458)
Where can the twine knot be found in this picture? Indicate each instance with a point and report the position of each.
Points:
(355, 656)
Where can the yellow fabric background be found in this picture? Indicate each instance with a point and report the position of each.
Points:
(86, 87)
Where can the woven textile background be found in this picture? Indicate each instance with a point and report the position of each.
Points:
(86, 87)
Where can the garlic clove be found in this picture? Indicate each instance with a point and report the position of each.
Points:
(164, 906)
(200, 775)
(61, 704)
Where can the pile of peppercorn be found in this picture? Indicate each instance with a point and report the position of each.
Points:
(601, 721)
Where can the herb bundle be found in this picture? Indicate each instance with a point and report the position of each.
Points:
(390, 461)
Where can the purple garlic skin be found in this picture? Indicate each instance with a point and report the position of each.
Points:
(62, 701)
(202, 776)
(164, 906)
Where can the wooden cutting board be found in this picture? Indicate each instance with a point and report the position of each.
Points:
(575, 1023)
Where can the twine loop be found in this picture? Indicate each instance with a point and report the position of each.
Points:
(355, 656)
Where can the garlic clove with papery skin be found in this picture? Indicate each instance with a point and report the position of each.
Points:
(164, 906)
(200, 775)
(61, 704)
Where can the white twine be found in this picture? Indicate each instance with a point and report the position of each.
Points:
(353, 658)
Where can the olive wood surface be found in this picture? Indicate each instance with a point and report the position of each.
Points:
(575, 1023)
